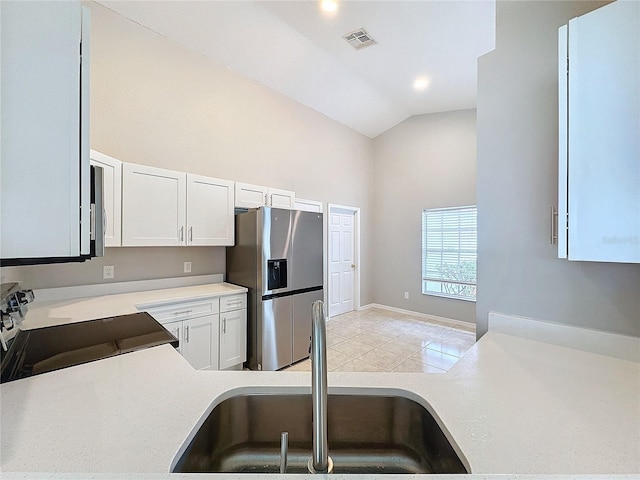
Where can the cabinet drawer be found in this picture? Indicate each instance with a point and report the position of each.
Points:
(178, 311)
(233, 302)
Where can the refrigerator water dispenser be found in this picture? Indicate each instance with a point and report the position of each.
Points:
(277, 274)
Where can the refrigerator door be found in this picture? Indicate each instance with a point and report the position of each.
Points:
(302, 303)
(306, 254)
(276, 333)
(274, 246)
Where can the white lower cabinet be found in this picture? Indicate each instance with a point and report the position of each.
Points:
(200, 346)
(207, 339)
(233, 331)
(198, 340)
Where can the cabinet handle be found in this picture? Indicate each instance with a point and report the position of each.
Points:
(181, 312)
(182, 234)
(92, 222)
(191, 234)
(265, 199)
(178, 334)
(224, 325)
(554, 225)
(186, 335)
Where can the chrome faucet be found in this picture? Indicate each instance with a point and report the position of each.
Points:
(320, 462)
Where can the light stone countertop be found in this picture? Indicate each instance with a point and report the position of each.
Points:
(57, 312)
(510, 405)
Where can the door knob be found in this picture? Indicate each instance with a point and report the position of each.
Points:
(353, 265)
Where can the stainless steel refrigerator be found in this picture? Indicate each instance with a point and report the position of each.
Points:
(278, 256)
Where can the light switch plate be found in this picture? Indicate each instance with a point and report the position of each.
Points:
(187, 267)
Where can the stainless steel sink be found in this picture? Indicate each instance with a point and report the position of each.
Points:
(367, 434)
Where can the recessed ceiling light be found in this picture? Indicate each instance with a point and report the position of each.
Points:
(421, 83)
(329, 6)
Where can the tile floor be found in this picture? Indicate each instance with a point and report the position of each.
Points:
(376, 340)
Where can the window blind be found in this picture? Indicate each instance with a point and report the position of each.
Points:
(449, 245)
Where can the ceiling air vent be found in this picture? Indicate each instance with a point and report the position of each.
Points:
(359, 39)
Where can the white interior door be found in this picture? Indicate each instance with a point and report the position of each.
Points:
(341, 260)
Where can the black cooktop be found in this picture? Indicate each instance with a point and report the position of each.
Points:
(46, 349)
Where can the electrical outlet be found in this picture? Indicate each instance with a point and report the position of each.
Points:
(187, 267)
(406, 295)
(108, 271)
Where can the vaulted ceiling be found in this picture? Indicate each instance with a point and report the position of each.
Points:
(298, 50)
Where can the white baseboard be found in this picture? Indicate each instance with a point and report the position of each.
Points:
(454, 323)
(614, 345)
(83, 291)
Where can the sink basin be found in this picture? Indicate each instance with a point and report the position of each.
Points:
(367, 434)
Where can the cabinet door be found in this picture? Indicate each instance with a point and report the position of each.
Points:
(233, 338)
(209, 211)
(281, 198)
(308, 205)
(201, 341)
(44, 161)
(153, 206)
(112, 201)
(250, 196)
(603, 178)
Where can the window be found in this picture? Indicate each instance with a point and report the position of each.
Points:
(449, 238)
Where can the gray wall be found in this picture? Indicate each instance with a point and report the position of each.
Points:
(427, 161)
(143, 263)
(518, 270)
(154, 102)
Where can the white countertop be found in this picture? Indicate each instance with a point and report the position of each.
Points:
(43, 314)
(511, 405)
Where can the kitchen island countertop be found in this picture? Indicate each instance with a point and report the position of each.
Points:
(511, 405)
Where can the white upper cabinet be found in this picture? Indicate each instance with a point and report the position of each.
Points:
(254, 196)
(250, 196)
(308, 205)
(209, 211)
(112, 200)
(167, 208)
(281, 198)
(599, 181)
(45, 181)
(153, 206)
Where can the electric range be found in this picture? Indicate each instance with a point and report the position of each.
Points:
(42, 350)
